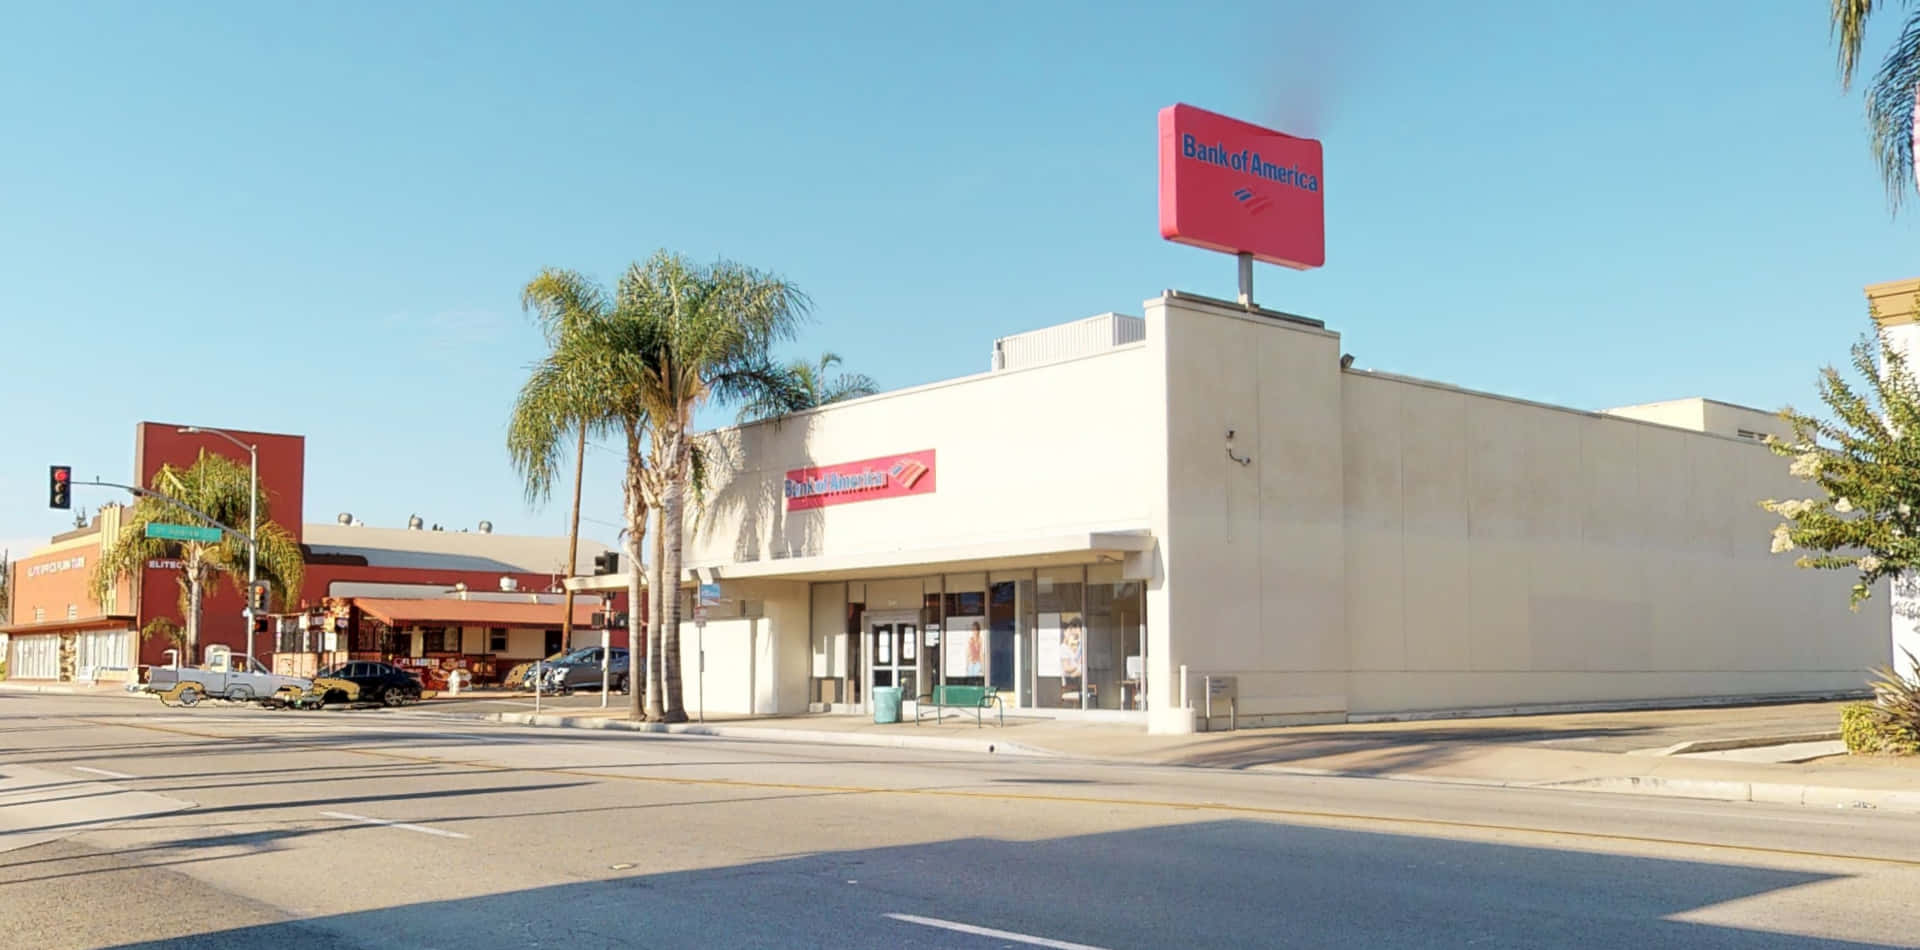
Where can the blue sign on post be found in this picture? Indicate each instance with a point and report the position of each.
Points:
(709, 595)
(182, 532)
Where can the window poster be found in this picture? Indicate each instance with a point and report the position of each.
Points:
(1073, 648)
(966, 647)
(907, 643)
(1047, 645)
(883, 646)
(1061, 645)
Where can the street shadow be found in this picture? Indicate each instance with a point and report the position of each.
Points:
(1379, 750)
(277, 805)
(1230, 884)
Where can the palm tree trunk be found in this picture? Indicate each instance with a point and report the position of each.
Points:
(656, 675)
(573, 539)
(636, 512)
(672, 516)
(194, 588)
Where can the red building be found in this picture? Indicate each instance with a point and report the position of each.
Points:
(507, 587)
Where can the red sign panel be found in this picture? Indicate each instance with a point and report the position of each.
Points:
(889, 477)
(1227, 185)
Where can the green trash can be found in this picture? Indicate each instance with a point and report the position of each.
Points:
(886, 704)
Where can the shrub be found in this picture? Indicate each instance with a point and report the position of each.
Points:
(1891, 723)
(1860, 727)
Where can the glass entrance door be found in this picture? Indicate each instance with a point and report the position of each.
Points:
(893, 645)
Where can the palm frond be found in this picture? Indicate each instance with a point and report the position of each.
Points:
(1849, 31)
(1890, 107)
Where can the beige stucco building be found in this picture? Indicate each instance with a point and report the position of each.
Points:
(1124, 506)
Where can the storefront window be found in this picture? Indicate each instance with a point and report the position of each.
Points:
(965, 650)
(1115, 621)
(1060, 648)
(1020, 583)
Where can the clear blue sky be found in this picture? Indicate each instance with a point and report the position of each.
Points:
(317, 221)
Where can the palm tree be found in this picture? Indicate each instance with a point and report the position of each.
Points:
(1890, 97)
(589, 382)
(217, 486)
(710, 331)
(800, 385)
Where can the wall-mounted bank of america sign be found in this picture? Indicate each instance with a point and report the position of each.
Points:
(890, 476)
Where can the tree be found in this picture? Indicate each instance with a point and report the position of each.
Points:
(709, 329)
(1890, 96)
(800, 385)
(1865, 464)
(217, 486)
(6, 586)
(590, 381)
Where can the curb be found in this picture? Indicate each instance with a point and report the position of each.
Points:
(62, 689)
(939, 743)
(1752, 742)
(1771, 793)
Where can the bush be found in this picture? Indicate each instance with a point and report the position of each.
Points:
(1860, 726)
(1891, 723)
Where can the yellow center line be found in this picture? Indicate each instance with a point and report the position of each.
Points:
(1004, 796)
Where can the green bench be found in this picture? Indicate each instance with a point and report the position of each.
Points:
(975, 698)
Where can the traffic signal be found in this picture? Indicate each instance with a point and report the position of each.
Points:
(606, 563)
(257, 596)
(60, 486)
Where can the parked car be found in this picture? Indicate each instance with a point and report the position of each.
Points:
(364, 681)
(580, 669)
(223, 676)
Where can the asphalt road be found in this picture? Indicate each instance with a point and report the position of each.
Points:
(124, 824)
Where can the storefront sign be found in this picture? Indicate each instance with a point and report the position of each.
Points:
(1231, 186)
(55, 567)
(165, 565)
(888, 477)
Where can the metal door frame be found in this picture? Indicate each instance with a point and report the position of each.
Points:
(867, 619)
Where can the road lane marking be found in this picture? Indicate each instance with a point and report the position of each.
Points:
(1264, 811)
(990, 932)
(93, 771)
(390, 823)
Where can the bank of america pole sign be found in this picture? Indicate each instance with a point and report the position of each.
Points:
(1238, 188)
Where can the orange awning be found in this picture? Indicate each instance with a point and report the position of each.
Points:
(473, 613)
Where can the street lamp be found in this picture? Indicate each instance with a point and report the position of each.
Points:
(253, 515)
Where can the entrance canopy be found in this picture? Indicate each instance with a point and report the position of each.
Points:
(1135, 548)
(473, 613)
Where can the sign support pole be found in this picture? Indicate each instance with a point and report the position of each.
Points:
(1246, 279)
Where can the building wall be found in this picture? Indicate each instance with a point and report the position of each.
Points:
(1506, 553)
(1393, 545)
(1894, 307)
(1707, 415)
(53, 578)
(1022, 452)
(282, 479)
(757, 651)
(282, 463)
(1251, 553)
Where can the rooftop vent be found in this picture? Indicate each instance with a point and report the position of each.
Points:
(346, 518)
(486, 527)
(415, 522)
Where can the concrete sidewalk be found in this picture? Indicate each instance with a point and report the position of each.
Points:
(1527, 752)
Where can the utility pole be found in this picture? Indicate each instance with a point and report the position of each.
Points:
(573, 540)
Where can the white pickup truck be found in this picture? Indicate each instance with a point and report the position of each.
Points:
(225, 676)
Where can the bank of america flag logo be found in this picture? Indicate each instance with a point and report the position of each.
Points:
(1252, 202)
(907, 472)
